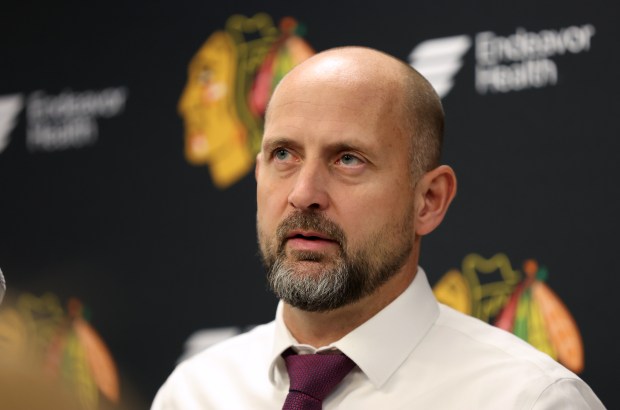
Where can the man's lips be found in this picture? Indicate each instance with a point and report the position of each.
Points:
(309, 240)
(310, 235)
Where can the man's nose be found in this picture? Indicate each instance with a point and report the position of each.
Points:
(310, 190)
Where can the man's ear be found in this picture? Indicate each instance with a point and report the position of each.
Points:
(434, 193)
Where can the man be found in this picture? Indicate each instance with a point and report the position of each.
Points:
(348, 182)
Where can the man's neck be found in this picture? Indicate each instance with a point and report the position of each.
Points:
(319, 329)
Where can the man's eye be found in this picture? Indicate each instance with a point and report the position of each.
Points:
(348, 159)
(281, 154)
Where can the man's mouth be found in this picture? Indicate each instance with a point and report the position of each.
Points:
(309, 235)
(309, 241)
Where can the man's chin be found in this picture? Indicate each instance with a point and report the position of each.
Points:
(305, 268)
(328, 256)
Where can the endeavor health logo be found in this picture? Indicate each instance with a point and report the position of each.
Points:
(57, 122)
(439, 60)
(504, 63)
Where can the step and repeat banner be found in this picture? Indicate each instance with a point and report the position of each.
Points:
(128, 134)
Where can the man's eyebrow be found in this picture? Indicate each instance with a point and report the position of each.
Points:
(352, 145)
(345, 146)
(271, 144)
(335, 147)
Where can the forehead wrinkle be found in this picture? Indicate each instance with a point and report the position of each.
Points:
(339, 138)
(322, 103)
(278, 112)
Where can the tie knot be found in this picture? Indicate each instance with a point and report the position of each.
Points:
(316, 375)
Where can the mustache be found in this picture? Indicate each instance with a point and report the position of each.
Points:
(309, 221)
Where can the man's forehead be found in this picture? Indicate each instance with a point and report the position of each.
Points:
(334, 101)
(307, 88)
(331, 119)
(315, 98)
(349, 62)
(334, 72)
(331, 135)
(303, 106)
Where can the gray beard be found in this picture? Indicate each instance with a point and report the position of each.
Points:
(343, 280)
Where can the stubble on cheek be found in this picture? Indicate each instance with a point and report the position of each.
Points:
(266, 246)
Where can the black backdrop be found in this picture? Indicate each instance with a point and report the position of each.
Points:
(157, 252)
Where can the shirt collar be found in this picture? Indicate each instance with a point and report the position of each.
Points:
(381, 344)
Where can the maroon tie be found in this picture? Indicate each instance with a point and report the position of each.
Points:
(313, 377)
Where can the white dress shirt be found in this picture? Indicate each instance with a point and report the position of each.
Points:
(415, 353)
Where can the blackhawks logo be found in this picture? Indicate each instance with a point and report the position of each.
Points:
(230, 80)
(39, 337)
(519, 302)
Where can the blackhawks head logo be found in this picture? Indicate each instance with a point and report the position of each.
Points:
(229, 83)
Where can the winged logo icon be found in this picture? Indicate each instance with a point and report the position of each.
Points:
(10, 106)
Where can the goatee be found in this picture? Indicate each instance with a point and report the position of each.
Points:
(318, 282)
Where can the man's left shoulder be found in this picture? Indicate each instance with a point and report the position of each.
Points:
(501, 366)
(488, 343)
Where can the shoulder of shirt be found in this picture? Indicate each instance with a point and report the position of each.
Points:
(187, 385)
(509, 361)
(501, 344)
(256, 341)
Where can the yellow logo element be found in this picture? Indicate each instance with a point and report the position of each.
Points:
(38, 333)
(230, 80)
(491, 290)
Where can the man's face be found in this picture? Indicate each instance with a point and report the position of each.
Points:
(335, 199)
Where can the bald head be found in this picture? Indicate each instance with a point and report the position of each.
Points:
(379, 78)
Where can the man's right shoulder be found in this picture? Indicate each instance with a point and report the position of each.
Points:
(240, 363)
(257, 342)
